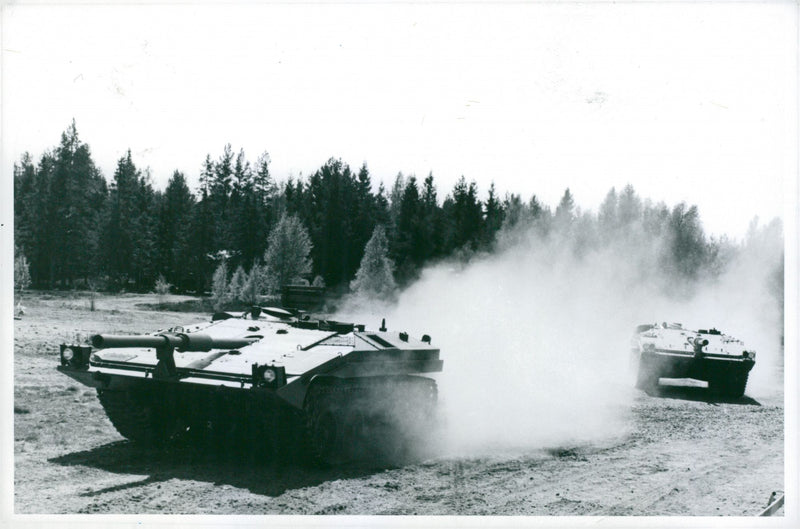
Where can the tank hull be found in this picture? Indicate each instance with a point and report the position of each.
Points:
(678, 365)
(670, 351)
(245, 375)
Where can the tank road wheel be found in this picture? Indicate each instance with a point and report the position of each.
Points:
(135, 417)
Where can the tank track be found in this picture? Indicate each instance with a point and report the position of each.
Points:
(220, 425)
(729, 386)
(375, 419)
(646, 377)
(133, 416)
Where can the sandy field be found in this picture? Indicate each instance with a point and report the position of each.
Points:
(683, 455)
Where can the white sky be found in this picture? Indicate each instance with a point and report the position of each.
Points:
(687, 102)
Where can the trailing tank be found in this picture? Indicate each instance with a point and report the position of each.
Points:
(668, 350)
(346, 392)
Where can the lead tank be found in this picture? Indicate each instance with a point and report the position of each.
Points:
(668, 350)
(349, 393)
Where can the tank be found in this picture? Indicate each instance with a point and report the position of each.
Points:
(344, 392)
(671, 351)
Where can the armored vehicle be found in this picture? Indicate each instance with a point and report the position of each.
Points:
(670, 351)
(247, 375)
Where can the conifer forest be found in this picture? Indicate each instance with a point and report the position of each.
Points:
(76, 229)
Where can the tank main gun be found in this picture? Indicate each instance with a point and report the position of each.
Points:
(166, 344)
(195, 342)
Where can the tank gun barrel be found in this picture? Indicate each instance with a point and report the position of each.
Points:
(195, 342)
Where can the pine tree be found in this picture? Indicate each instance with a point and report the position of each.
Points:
(206, 176)
(465, 216)
(431, 220)
(174, 232)
(288, 248)
(515, 211)
(145, 254)
(77, 197)
(118, 234)
(409, 246)
(687, 244)
(535, 208)
(263, 184)
(201, 236)
(374, 277)
(130, 247)
(220, 293)
(329, 212)
(41, 252)
(565, 211)
(382, 215)
(236, 284)
(607, 216)
(629, 207)
(267, 199)
(364, 217)
(493, 218)
(396, 196)
(26, 217)
(220, 195)
(655, 219)
(222, 176)
(249, 216)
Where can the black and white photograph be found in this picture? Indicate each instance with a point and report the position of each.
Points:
(409, 264)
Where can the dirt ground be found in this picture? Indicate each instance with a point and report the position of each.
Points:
(684, 455)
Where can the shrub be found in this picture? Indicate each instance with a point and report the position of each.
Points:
(162, 289)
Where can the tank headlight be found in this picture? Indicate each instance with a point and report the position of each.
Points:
(75, 355)
(269, 376)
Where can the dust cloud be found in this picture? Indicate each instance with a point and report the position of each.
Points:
(536, 336)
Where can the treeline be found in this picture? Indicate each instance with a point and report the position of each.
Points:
(78, 230)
